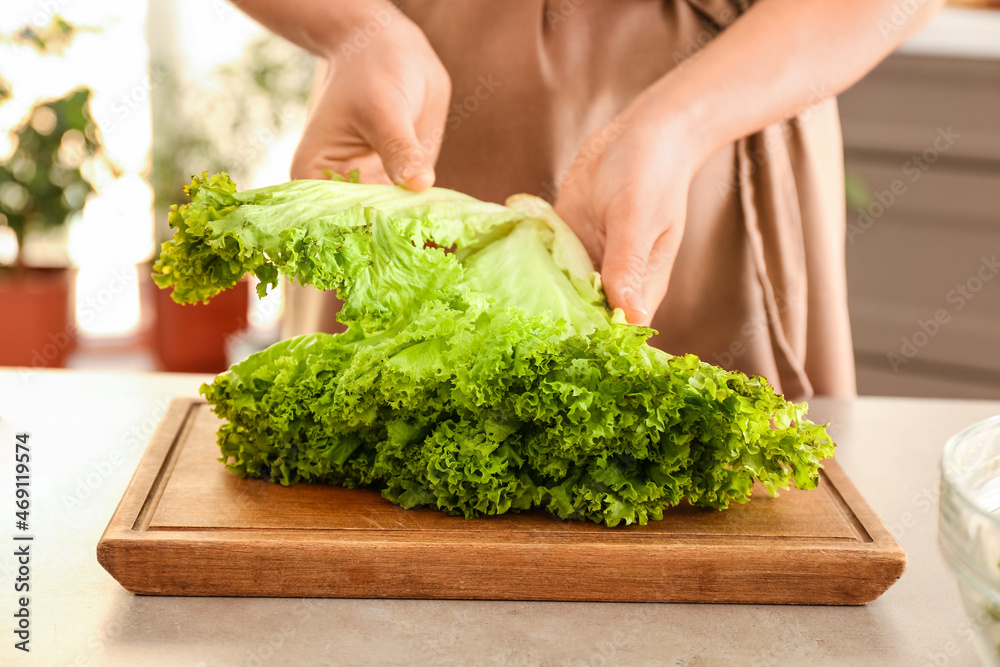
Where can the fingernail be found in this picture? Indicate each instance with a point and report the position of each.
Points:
(635, 305)
(419, 181)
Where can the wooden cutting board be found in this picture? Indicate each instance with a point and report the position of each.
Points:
(186, 526)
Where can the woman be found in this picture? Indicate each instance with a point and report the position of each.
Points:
(691, 144)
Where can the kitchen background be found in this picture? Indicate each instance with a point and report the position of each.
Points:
(101, 128)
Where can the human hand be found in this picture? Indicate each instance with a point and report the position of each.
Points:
(625, 196)
(381, 109)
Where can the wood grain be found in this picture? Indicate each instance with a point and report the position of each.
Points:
(186, 526)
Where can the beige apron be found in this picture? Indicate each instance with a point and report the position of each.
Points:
(759, 283)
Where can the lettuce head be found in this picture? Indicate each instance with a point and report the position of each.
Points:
(482, 371)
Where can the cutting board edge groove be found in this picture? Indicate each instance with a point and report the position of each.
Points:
(155, 491)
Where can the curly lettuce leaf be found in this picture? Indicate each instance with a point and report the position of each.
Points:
(315, 232)
(486, 380)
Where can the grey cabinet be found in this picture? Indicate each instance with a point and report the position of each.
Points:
(922, 146)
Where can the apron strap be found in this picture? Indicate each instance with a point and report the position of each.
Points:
(772, 219)
(773, 223)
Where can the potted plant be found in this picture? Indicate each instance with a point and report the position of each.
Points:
(42, 187)
(190, 338)
(224, 123)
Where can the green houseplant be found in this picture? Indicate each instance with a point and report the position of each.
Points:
(223, 122)
(42, 187)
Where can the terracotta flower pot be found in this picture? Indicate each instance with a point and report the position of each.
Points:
(192, 338)
(36, 310)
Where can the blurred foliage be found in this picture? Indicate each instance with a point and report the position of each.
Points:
(43, 181)
(856, 190)
(224, 122)
(51, 38)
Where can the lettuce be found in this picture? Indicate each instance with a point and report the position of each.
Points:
(483, 380)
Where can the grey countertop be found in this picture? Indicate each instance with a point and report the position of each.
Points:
(88, 432)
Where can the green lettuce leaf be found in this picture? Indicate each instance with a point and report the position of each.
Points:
(489, 379)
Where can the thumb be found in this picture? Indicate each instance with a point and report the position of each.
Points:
(623, 273)
(406, 162)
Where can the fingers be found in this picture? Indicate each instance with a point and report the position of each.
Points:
(409, 147)
(624, 272)
(406, 161)
(379, 137)
(316, 160)
(307, 161)
(661, 263)
(392, 155)
(636, 269)
(433, 116)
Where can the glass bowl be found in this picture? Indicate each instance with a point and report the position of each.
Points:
(969, 528)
